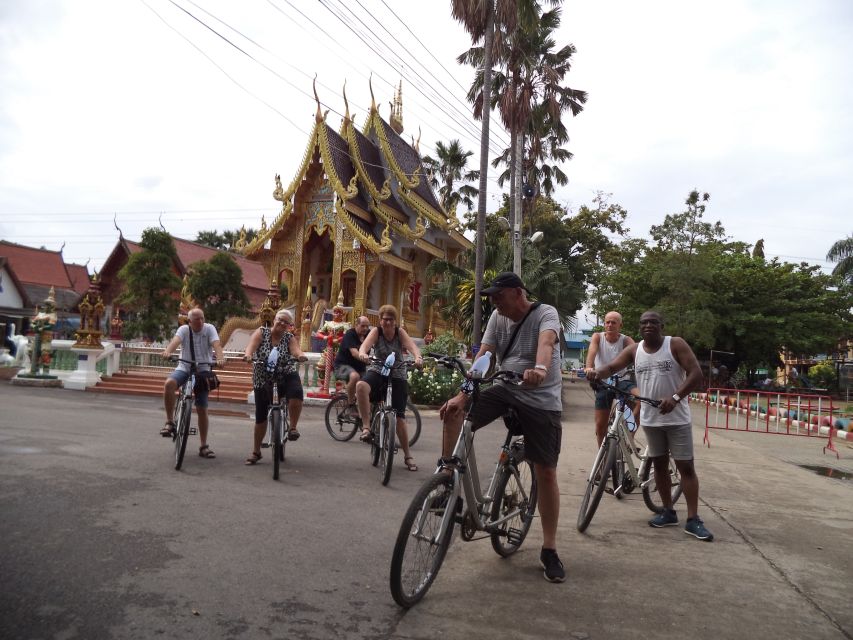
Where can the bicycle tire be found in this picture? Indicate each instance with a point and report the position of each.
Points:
(417, 557)
(374, 440)
(415, 433)
(386, 455)
(182, 432)
(277, 441)
(339, 426)
(650, 493)
(602, 467)
(510, 495)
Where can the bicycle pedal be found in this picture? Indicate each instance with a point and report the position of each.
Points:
(618, 493)
(514, 537)
(193, 431)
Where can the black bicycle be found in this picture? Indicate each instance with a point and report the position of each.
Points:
(278, 422)
(343, 421)
(184, 410)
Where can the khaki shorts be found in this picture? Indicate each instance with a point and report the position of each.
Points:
(673, 439)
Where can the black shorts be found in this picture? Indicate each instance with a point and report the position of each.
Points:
(399, 392)
(542, 430)
(289, 388)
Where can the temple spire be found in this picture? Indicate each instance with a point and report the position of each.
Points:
(396, 119)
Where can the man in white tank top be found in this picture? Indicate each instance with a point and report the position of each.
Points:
(603, 348)
(667, 370)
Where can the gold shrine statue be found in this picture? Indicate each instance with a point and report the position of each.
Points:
(359, 223)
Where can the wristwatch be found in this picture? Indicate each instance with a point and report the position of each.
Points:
(676, 397)
(541, 367)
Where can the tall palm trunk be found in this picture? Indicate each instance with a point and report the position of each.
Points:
(480, 251)
(516, 230)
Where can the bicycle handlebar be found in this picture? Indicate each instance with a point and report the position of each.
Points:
(505, 375)
(408, 364)
(175, 358)
(598, 384)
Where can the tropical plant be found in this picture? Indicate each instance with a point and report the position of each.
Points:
(842, 253)
(217, 285)
(447, 171)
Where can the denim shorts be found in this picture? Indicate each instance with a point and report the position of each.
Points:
(181, 377)
(604, 397)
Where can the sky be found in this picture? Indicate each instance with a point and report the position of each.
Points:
(136, 113)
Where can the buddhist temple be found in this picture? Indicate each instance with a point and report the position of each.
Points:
(359, 222)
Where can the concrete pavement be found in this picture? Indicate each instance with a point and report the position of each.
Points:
(101, 539)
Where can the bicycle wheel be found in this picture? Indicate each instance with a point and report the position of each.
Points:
(339, 424)
(516, 492)
(601, 470)
(421, 546)
(415, 425)
(650, 491)
(182, 431)
(386, 456)
(277, 441)
(375, 445)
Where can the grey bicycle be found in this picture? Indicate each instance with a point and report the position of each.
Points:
(504, 512)
(623, 461)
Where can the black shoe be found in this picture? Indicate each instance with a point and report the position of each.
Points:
(554, 571)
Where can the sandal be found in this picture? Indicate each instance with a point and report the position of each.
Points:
(253, 459)
(206, 452)
(168, 430)
(293, 435)
(365, 436)
(411, 466)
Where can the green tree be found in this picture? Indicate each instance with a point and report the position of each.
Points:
(842, 253)
(151, 287)
(217, 285)
(226, 240)
(450, 169)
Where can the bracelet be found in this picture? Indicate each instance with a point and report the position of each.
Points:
(541, 367)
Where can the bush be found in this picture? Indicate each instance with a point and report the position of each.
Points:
(823, 375)
(433, 385)
(446, 344)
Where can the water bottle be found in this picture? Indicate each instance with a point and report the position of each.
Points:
(481, 365)
(389, 362)
(272, 359)
(629, 419)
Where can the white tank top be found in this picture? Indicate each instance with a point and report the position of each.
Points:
(607, 351)
(658, 376)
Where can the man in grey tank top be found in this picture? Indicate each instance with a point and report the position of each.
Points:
(667, 370)
(603, 348)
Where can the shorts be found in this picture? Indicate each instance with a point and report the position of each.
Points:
(542, 429)
(343, 371)
(604, 397)
(675, 439)
(399, 392)
(180, 376)
(289, 388)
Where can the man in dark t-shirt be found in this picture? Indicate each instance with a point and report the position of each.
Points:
(348, 367)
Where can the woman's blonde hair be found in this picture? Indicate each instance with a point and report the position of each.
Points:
(390, 310)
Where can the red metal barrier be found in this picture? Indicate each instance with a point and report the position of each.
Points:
(791, 414)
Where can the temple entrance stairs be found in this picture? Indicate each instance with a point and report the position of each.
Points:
(236, 379)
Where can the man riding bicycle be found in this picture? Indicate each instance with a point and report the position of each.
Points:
(205, 342)
(524, 336)
(348, 366)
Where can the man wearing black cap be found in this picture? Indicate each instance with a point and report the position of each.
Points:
(537, 403)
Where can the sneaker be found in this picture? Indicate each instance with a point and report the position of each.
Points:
(695, 527)
(554, 571)
(666, 518)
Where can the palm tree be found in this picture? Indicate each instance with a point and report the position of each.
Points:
(842, 253)
(478, 18)
(530, 98)
(448, 169)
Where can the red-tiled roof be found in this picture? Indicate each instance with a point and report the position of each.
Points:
(189, 252)
(36, 266)
(79, 276)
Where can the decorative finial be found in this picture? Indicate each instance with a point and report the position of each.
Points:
(396, 118)
(373, 108)
(346, 104)
(115, 224)
(319, 115)
(341, 298)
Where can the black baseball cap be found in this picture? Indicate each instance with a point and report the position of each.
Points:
(505, 280)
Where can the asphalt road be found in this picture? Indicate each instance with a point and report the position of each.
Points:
(101, 538)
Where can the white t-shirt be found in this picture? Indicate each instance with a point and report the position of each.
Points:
(522, 355)
(202, 343)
